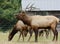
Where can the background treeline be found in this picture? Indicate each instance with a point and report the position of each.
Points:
(8, 9)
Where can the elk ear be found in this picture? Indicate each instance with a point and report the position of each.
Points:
(23, 13)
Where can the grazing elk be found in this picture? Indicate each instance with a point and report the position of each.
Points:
(19, 26)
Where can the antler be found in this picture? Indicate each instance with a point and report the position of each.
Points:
(27, 6)
(31, 7)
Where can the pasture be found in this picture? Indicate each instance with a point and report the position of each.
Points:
(41, 39)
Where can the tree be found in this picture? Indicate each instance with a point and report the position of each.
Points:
(7, 10)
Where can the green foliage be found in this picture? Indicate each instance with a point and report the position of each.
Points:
(8, 8)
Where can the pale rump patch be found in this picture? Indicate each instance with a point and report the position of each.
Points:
(20, 25)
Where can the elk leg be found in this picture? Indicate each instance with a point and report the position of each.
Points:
(23, 36)
(56, 35)
(30, 32)
(36, 35)
(19, 36)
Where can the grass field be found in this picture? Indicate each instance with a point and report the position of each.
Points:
(41, 40)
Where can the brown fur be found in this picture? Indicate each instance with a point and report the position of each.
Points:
(33, 22)
(19, 26)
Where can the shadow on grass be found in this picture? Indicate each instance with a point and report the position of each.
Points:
(4, 28)
(6, 25)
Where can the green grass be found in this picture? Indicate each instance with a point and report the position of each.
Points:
(41, 39)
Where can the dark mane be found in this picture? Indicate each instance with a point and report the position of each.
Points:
(24, 17)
